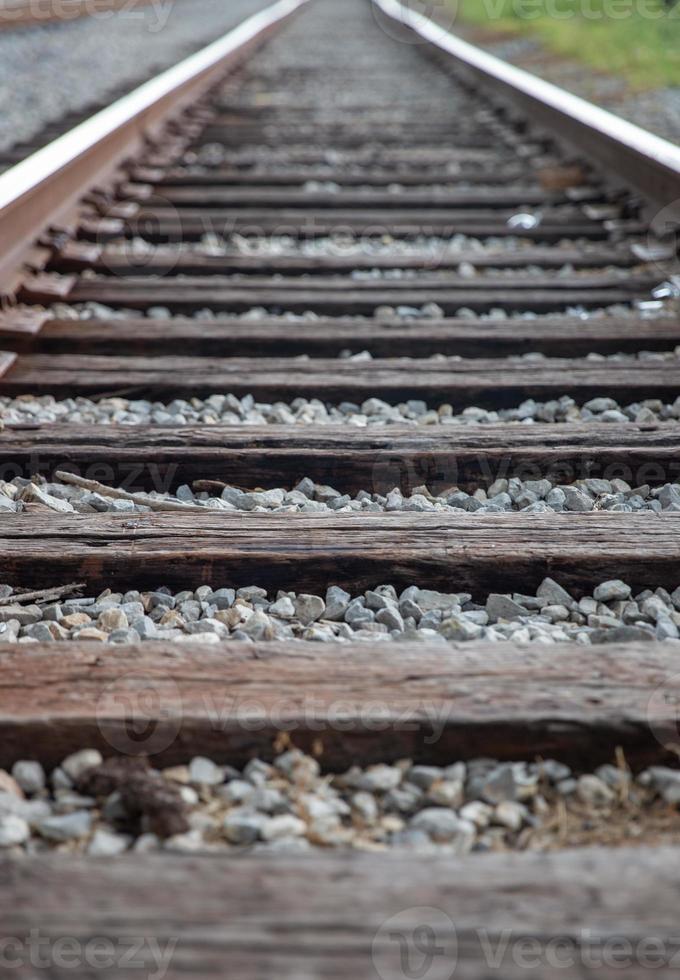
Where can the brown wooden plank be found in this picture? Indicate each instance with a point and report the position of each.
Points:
(21, 323)
(479, 554)
(360, 299)
(433, 280)
(556, 336)
(209, 196)
(350, 459)
(7, 361)
(363, 702)
(488, 382)
(76, 256)
(244, 123)
(574, 915)
(472, 139)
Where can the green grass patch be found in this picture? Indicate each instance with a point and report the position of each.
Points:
(637, 39)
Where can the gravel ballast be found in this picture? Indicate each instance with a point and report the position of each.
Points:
(227, 409)
(107, 807)
(503, 496)
(613, 613)
(139, 44)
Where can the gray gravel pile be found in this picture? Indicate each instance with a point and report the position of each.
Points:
(611, 614)
(347, 244)
(503, 496)
(221, 409)
(390, 315)
(139, 43)
(93, 806)
(636, 357)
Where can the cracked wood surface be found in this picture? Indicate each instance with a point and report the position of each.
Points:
(330, 916)
(358, 701)
(267, 336)
(349, 458)
(307, 552)
(488, 382)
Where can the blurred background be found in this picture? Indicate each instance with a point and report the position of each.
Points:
(621, 54)
(61, 60)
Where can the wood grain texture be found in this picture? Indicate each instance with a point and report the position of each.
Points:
(361, 702)
(479, 554)
(326, 337)
(75, 256)
(21, 323)
(343, 299)
(7, 361)
(354, 139)
(491, 383)
(276, 197)
(332, 916)
(348, 458)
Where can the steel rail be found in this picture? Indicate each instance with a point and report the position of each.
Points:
(44, 188)
(646, 163)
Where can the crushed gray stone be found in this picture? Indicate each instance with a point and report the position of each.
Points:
(306, 497)
(139, 43)
(552, 615)
(221, 409)
(398, 315)
(290, 804)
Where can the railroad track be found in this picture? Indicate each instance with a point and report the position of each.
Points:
(331, 322)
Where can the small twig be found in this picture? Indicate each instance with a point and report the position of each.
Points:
(43, 595)
(211, 486)
(136, 498)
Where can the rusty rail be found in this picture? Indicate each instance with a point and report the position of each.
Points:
(646, 163)
(42, 190)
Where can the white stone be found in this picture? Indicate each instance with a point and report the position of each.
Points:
(203, 771)
(106, 843)
(78, 763)
(13, 830)
(284, 825)
(30, 776)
